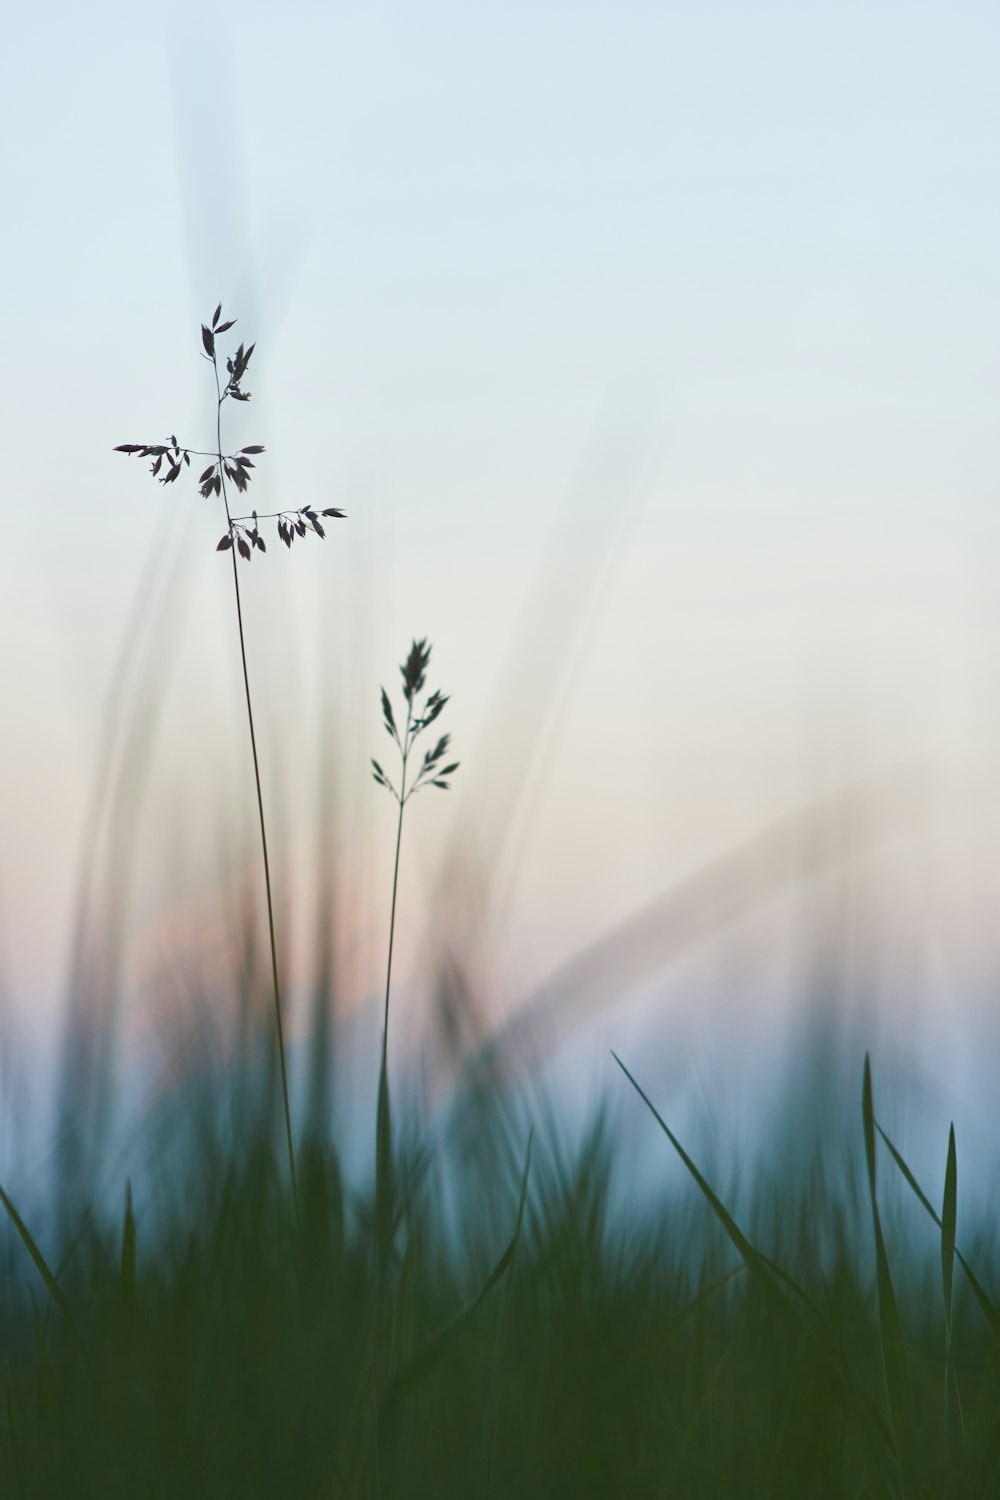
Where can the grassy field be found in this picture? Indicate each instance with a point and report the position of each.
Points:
(515, 1335)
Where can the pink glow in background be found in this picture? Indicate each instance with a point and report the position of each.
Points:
(653, 354)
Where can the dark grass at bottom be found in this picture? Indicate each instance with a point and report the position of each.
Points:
(254, 1357)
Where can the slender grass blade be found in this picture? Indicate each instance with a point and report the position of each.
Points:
(986, 1305)
(774, 1281)
(128, 1249)
(42, 1267)
(897, 1385)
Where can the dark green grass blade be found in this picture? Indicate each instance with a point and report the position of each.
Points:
(897, 1386)
(41, 1265)
(128, 1249)
(949, 1215)
(429, 1357)
(754, 1260)
(953, 1417)
(761, 1267)
(655, 1347)
(523, 1194)
(385, 1217)
(502, 1323)
(74, 1245)
(986, 1306)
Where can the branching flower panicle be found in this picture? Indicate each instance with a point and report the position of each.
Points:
(431, 772)
(170, 458)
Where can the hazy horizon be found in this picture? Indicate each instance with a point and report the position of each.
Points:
(653, 356)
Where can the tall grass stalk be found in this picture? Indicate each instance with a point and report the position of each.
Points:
(279, 1027)
(242, 535)
(431, 773)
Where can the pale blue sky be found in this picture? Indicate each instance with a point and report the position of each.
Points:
(700, 303)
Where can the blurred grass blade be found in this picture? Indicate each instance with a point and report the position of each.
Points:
(773, 1282)
(501, 1325)
(41, 1265)
(755, 1262)
(897, 1385)
(128, 1249)
(74, 1245)
(425, 1360)
(953, 1416)
(523, 1195)
(649, 1352)
(986, 1306)
(385, 1217)
(898, 1158)
(949, 1214)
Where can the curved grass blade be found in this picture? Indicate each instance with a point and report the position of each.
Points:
(51, 1285)
(74, 1245)
(427, 1358)
(656, 1346)
(754, 1260)
(773, 1282)
(897, 1386)
(986, 1306)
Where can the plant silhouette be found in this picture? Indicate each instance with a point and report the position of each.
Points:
(242, 535)
(431, 773)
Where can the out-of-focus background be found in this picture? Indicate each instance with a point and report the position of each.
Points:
(654, 353)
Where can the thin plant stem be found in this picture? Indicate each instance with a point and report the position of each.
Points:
(432, 773)
(383, 1131)
(260, 809)
(395, 886)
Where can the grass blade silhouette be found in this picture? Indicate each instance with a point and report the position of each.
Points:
(776, 1285)
(128, 1250)
(897, 1385)
(51, 1284)
(986, 1305)
(954, 1421)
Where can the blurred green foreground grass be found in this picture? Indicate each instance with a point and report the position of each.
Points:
(519, 1337)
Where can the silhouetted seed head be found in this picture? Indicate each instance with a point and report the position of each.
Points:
(431, 772)
(414, 669)
(236, 469)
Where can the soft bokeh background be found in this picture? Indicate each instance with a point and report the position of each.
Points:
(653, 352)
